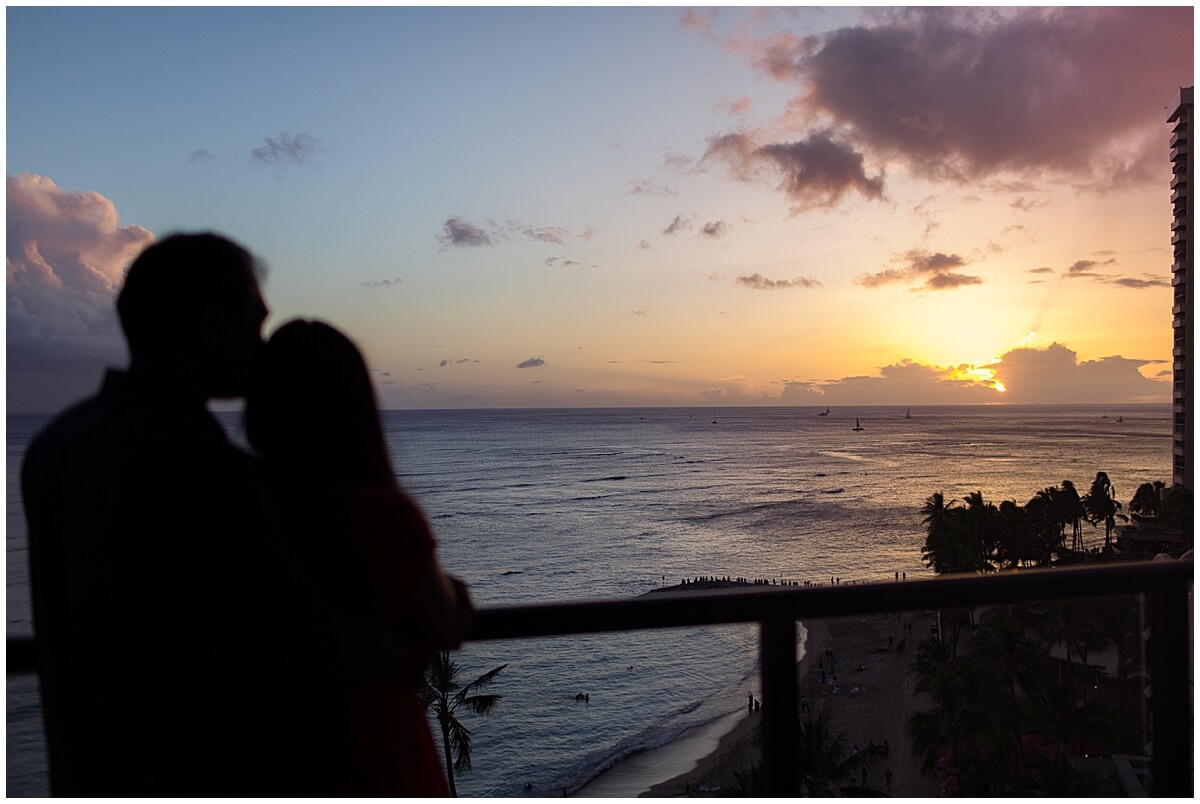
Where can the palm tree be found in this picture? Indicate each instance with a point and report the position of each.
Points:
(1101, 506)
(1014, 658)
(443, 693)
(1146, 505)
(1071, 512)
(827, 767)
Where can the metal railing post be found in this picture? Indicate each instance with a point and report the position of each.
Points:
(1170, 696)
(780, 710)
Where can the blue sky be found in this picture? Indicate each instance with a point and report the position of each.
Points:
(617, 206)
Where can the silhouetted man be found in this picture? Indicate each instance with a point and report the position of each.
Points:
(162, 606)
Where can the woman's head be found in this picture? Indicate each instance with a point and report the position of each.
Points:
(312, 413)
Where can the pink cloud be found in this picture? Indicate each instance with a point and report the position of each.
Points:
(65, 259)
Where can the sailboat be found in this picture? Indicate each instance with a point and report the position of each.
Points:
(857, 426)
(909, 414)
(826, 413)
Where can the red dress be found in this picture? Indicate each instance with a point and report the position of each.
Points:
(363, 547)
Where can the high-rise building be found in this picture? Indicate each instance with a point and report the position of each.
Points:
(1183, 323)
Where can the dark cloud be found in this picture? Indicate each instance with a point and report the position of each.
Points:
(715, 229)
(533, 362)
(380, 283)
(905, 383)
(200, 156)
(456, 362)
(1086, 269)
(817, 171)
(286, 150)
(933, 267)
(1042, 270)
(972, 93)
(1056, 375)
(457, 232)
(66, 256)
(558, 261)
(678, 225)
(948, 281)
(1134, 283)
(760, 282)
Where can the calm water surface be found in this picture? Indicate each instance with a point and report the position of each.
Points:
(582, 504)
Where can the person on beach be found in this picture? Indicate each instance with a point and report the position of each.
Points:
(163, 609)
(367, 547)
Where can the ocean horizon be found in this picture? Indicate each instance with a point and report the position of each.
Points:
(535, 505)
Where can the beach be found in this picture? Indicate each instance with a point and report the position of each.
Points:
(874, 714)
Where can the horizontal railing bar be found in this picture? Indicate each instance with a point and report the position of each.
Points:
(753, 604)
(746, 605)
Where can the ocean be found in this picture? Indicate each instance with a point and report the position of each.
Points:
(548, 505)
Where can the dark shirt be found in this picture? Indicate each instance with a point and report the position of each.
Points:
(163, 609)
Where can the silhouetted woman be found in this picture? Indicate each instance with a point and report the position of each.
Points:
(367, 550)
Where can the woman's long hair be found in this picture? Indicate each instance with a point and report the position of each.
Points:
(312, 415)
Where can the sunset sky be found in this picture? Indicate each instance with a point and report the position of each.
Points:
(630, 206)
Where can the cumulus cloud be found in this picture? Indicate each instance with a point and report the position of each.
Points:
(1056, 375)
(759, 282)
(286, 151)
(380, 283)
(1029, 375)
(975, 93)
(66, 254)
(936, 269)
(730, 389)
(816, 171)
(533, 362)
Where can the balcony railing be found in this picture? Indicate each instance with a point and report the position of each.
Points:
(1166, 585)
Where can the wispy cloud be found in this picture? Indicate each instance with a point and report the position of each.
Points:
(649, 187)
(760, 282)
(200, 156)
(380, 283)
(533, 362)
(456, 362)
(286, 151)
(715, 229)
(1089, 270)
(457, 231)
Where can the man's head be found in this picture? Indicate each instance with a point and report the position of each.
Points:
(192, 313)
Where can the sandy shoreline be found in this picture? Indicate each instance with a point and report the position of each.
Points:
(875, 714)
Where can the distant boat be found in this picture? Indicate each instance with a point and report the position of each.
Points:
(909, 414)
(857, 426)
(826, 413)
(1120, 418)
